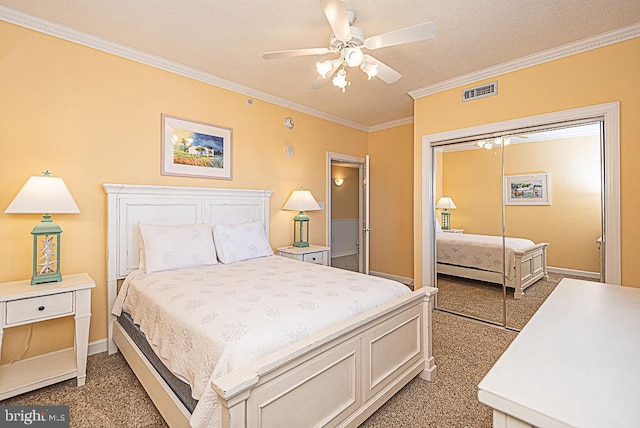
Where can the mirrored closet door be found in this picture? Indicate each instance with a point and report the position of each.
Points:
(469, 268)
(514, 214)
(553, 200)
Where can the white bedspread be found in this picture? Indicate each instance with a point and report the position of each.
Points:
(480, 251)
(205, 322)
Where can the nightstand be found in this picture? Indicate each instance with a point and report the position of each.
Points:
(453, 230)
(23, 303)
(311, 254)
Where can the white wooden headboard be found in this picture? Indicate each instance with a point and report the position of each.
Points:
(129, 204)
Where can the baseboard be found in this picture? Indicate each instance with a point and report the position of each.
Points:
(403, 279)
(584, 273)
(343, 253)
(98, 346)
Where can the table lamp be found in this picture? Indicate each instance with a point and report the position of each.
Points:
(446, 203)
(301, 200)
(44, 195)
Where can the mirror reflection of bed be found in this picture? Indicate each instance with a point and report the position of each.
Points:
(546, 238)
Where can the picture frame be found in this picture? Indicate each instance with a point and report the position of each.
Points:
(527, 189)
(195, 149)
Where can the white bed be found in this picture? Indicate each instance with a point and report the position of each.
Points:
(480, 257)
(346, 370)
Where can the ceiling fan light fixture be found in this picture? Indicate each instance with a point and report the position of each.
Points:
(353, 56)
(485, 144)
(340, 79)
(370, 69)
(324, 67)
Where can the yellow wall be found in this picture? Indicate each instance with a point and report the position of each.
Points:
(391, 177)
(344, 199)
(473, 179)
(595, 77)
(91, 117)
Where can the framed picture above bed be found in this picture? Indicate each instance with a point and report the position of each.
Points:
(195, 149)
(527, 189)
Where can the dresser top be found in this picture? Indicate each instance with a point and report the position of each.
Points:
(575, 363)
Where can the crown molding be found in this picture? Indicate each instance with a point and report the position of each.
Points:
(392, 124)
(605, 39)
(63, 32)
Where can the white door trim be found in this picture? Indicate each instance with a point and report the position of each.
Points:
(610, 112)
(340, 157)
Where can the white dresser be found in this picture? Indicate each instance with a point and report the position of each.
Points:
(575, 364)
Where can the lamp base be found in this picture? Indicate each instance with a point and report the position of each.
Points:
(47, 277)
(446, 220)
(301, 244)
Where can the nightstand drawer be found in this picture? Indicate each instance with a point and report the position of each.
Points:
(313, 258)
(35, 308)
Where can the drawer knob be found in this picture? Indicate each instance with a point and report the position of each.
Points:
(41, 308)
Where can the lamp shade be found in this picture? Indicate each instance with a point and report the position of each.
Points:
(43, 195)
(301, 200)
(446, 203)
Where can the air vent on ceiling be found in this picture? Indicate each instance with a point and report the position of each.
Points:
(481, 91)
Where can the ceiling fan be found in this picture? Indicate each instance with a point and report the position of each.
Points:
(348, 42)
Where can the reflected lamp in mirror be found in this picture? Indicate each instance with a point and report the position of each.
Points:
(44, 195)
(338, 182)
(301, 201)
(446, 203)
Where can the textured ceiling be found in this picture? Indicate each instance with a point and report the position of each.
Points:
(227, 38)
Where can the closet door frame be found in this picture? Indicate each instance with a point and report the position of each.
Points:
(609, 113)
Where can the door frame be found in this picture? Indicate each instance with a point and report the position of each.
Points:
(341, 157)
(609, 113)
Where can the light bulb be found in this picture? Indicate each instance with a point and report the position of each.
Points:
(370, 69)
(353, 56)
(324, 67)
(340, 79)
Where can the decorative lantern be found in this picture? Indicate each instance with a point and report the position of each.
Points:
(46, 252)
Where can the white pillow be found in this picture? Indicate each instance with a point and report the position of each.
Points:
(176, 247)
(142, 255)
(438, 227)
(236, 242)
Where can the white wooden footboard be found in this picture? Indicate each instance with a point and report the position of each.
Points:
(530, 265)
(338, 379)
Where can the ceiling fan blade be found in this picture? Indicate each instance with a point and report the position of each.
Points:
(405, 35)
(336, 13)
(385, 73)
(320, 81)
(295, 52)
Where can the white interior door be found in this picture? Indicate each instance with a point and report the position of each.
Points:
(366, 230)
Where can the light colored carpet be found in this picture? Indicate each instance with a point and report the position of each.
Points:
(111, 398)
(346, 262)
(484, 300)
(464, 351)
